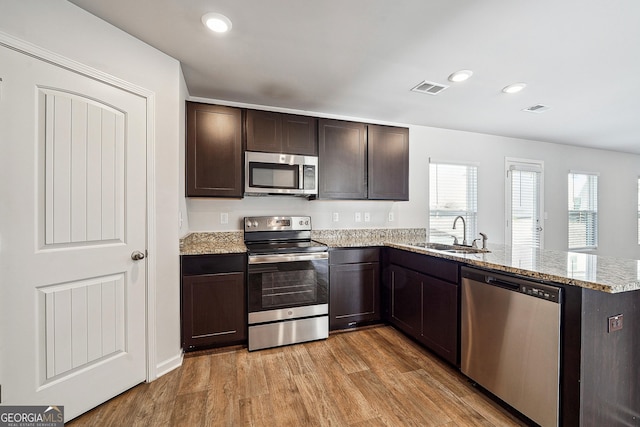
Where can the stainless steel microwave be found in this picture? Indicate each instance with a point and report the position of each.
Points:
(274, 173)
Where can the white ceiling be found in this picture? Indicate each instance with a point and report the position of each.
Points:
(360, 58)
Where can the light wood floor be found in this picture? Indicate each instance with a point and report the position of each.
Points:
(368, 377)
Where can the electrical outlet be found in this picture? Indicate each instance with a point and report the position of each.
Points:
(391, 218)
(367, 217)
(615, 323)
(224, 218)
(336, 217)
(358, 217)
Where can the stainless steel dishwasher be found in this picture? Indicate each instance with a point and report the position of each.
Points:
(510, 341)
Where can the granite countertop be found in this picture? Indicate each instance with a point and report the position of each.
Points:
(221, 242)
(601, 273)
(606, 274)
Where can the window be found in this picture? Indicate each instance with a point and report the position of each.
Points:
(583, 210)
(453, 191)
(524, 202)
(639, 214)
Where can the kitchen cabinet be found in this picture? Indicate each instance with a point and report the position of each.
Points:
(388, 162)
(354, 287)
(342, 160)
(421, 296)
(213, 300)
(406, 300)
(214, 164)
(282, 133)
(359, 161)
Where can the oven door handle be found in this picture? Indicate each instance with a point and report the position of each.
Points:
(270, 259)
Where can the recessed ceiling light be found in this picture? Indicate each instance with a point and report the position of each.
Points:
(514, 88)
(216, 22)
(460, 76)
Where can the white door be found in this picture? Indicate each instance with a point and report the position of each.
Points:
(524, 200)
(73, 209)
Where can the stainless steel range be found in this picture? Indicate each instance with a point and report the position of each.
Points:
(287, 282)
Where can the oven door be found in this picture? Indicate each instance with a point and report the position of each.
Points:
(287, 286)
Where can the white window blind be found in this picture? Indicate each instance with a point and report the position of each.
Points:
(583, 210)
(639, 215)
(453, 191)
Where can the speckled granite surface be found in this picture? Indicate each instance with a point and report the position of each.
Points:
(601, 273)
(606, 274)
(356, 237)
(222, 242)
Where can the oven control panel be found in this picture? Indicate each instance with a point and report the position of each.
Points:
(277, 223)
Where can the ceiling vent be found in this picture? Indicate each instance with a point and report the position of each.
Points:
(538, 108)
(429, 87)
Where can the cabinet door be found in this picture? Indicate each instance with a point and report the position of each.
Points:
(264, 131)
(214, 165)
(299, 135)
(282, 133)
(213, 310)
(406, 300)
(440, 317)
(342, 158)
(388, 158)
(354, 294)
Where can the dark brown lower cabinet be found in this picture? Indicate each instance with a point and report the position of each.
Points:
(354, 287)
(421, 296)
(213, 301)
(440, 317)
(406, 300)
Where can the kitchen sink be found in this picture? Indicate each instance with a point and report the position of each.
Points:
(454, 249)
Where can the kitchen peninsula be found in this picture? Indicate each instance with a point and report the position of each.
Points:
(599, 369)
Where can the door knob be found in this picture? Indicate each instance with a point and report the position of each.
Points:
(137, 255)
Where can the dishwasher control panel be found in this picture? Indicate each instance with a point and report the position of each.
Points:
(546, 292)
(514, 284)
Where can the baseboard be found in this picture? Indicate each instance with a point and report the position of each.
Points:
(169, 365)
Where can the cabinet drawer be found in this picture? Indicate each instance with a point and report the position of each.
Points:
(354, 255)
(212, 264)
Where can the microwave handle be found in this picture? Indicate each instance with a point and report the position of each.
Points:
(301, 176)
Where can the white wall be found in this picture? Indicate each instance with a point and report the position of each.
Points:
(617, 189)
(618, 183)
(67, 30)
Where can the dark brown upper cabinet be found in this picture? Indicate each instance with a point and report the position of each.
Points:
(388, 163)
(214, 165)
(359, 161)
(282, 133)
(342, 160)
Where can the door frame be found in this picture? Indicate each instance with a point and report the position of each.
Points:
(534, 164)
(37, 52)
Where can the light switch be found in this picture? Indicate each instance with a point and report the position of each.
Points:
(367, 217)
(358, 217)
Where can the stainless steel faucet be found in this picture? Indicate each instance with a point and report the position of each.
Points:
(464, 230)
(484, 241)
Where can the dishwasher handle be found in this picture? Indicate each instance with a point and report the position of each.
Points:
(502, 283)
